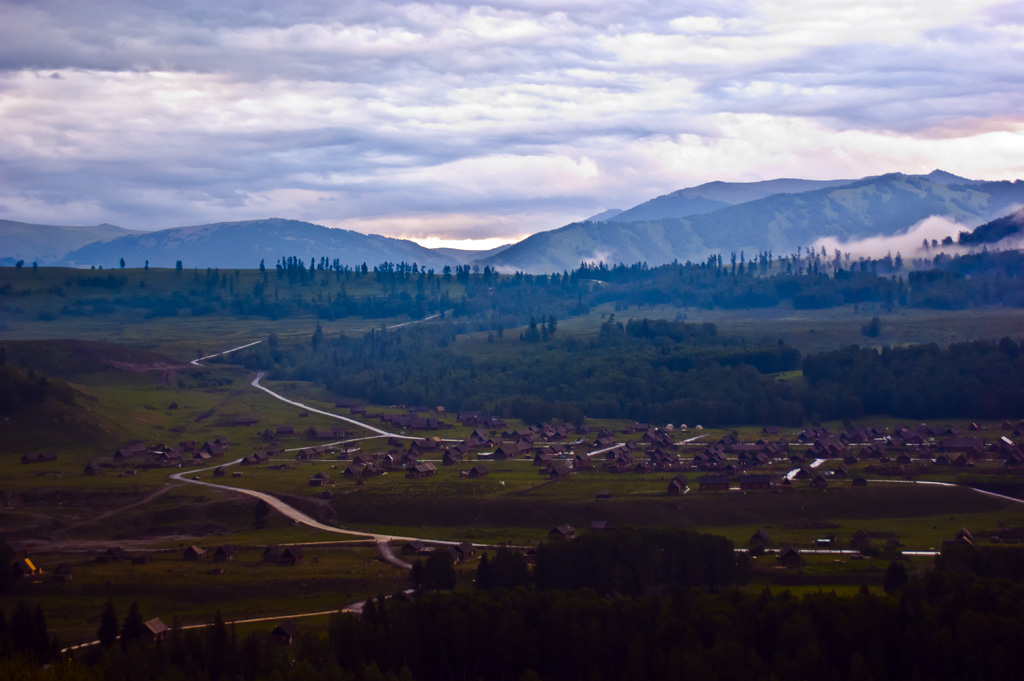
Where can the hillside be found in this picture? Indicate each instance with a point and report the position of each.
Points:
(780, 223)
(712, 196)
(243, 244)
(1008, 226)
(47, 244)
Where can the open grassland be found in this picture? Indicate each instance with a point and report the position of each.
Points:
(177, 590)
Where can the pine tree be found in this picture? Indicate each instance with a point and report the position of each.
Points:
(895, 577)
(133, 626)
(483, 574)
(107, 633)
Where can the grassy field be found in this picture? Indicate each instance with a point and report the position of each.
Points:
(125, 393)
(183, 591)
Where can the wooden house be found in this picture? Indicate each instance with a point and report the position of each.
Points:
(562, 533)
(290, 556)
(63, 573)
(225, 553)
(156, 630)
(194, 553)
(285, 633)
(713, 483)
(752, 482)
(790, 557)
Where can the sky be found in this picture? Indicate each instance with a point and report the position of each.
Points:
(470, 125)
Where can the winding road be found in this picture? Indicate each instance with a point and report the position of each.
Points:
(382, 540)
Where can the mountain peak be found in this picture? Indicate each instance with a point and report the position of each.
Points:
(942, 177)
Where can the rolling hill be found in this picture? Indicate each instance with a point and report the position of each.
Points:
(47, 244)
(243, 244)
(888, 204)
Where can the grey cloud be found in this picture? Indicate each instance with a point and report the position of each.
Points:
(185, 174)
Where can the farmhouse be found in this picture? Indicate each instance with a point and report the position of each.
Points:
(677, 486)
(790, 557)
(47, 457)
(749, 482)
(285, 633)
(562, 532)
(194, 553)
(421, 470)
(155, 630)
(320, 480)
(290, 556)
(713, 483)
(63, 573)
(224, 553)
(415, 548)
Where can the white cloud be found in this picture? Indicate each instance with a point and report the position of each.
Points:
(910, 244)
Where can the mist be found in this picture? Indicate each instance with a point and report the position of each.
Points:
(909, 244)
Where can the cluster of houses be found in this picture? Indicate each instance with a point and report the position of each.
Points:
(139, 455)
(42, 457)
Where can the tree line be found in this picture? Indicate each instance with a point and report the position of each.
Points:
(964, 619)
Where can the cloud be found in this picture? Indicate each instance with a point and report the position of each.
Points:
(598, 257)
(910, 244)
(514, 117)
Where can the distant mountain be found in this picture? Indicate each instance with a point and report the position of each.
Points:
(47, 244)
(461, 256)
(674, 205)
(712, 196)
(780, 222)
(604, 216)
(942, 177)
(243, 244)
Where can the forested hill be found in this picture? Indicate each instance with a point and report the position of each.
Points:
(47, 244)
(780, 223)
(242, 245)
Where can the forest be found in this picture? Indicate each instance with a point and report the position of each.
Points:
(653, 371)
(961, 620)
(485, 300)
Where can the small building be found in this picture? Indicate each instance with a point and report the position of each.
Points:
(320, 480)
(860, 481)
(761, 537)
(285, 633)
(112, 555)
(677, 486)
(713, 483)
(290, 556)
(194, 553)
(92, 468)
(479, 472)
(63, 573)
(421, 470)
(790, 557)
(225, 553)
(415, 548)
(156, 630)
(751, 482)
(562, 533)
(24, 567)
(604, 494)
(271, 554)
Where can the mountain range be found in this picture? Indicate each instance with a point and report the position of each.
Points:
(690, 224)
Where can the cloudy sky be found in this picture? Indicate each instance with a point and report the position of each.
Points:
(487, 122)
